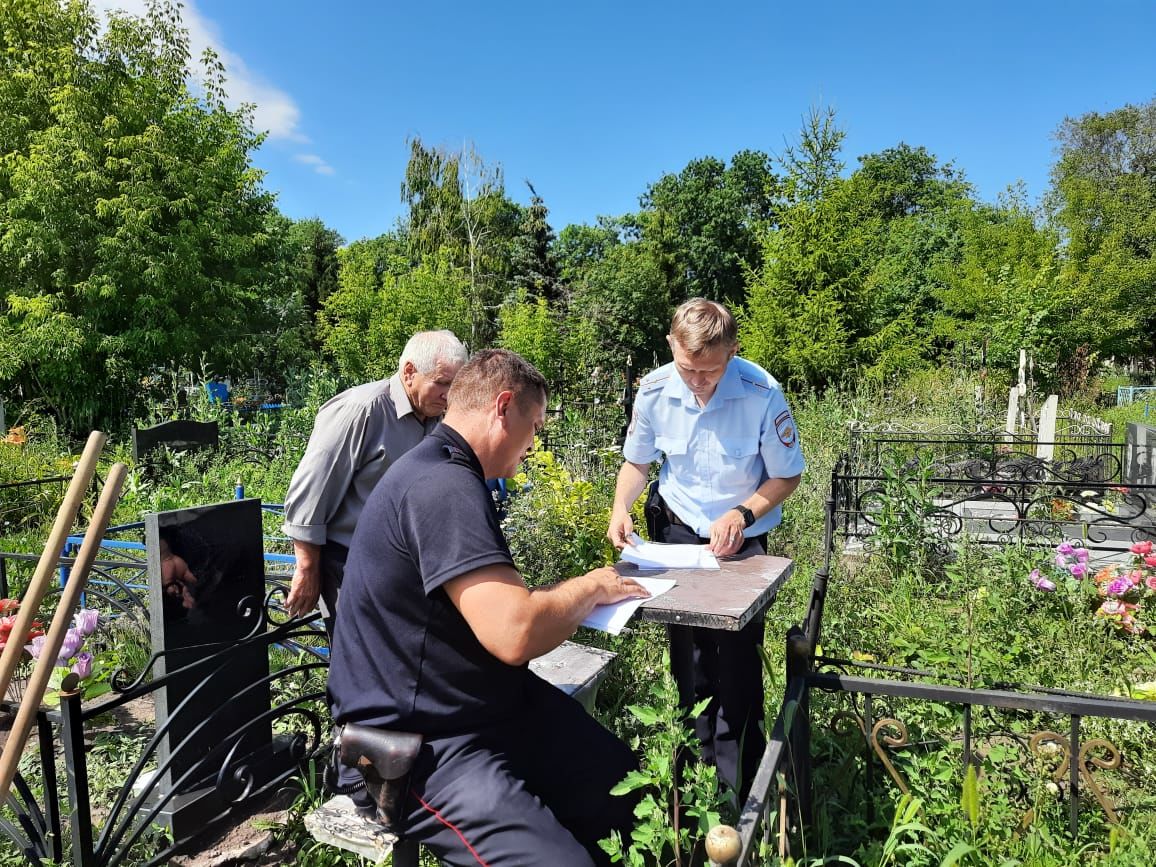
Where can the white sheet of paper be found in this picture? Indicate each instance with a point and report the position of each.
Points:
(611, 618)
(655, 555)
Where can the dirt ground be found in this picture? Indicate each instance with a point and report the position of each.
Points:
(250, 840)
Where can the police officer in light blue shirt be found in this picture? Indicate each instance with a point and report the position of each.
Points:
(730, 456)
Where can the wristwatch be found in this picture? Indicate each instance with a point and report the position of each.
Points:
(748, 515)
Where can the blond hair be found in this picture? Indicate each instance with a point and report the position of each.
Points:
(700, 325)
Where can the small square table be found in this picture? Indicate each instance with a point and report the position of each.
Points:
(726, 598)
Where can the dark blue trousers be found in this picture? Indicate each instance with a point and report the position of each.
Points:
(724, 667)
(535, 791)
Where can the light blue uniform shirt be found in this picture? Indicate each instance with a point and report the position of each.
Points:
(717, 455)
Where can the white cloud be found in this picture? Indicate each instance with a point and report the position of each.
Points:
(274, 110)
(319, 165)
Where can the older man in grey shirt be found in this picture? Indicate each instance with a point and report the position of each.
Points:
(357, 435)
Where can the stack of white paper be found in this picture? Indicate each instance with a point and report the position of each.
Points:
(654, 555)
(611, 618)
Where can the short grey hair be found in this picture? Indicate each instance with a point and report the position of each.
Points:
(426, 348)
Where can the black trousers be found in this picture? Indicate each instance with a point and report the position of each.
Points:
(726, 668)
(533, 791)
(333, 557)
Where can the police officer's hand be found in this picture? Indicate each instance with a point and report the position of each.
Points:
(614, 587)
(726, 534)
(621, 526)
(304, 591)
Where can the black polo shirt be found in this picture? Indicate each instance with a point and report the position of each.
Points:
(403, 656)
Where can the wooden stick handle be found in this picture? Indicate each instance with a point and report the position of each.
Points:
(41, 579)
(38, 682)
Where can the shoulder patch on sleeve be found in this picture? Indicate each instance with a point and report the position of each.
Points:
(785, 428)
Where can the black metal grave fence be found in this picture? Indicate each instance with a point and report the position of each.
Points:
(993, 498)
(105, 829)
(168, 775)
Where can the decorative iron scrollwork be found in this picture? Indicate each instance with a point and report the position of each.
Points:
(847, 716)
(1113, 761)
(879, 737)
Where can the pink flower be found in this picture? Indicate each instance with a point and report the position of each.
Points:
(35, 646)
(1111, 608)
(1082, 555)
(1078, 570)
(82, 668)
(1061, 561)
(1150, 582)
(73, 641)
(1114, 609)
(1064, 548)
(87, 621)
(1042, 583)
(1119, 587)
(1150, 560)
(1142, 547)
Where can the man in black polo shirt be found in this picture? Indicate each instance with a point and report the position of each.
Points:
(436, 630)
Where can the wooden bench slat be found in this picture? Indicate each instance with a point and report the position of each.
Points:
(575, 669)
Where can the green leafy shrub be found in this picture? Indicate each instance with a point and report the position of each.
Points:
(676, 809)
(556, 523)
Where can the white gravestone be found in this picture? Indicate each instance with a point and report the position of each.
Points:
(1045, 442)
(1013, 408)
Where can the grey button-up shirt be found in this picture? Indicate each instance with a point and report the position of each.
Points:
(357, 435)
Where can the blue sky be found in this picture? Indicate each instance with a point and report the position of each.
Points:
(591, 101)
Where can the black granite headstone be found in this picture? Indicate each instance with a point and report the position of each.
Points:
(180, 436)
(206, 592)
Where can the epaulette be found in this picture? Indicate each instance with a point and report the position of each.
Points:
(651, 382)
(760, 387)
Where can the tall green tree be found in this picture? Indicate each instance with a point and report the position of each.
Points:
(1104, 204)
(814, 163)
(134, 231)
(1005, 294)
(626, 299)
(315, 246)
(580, 246)
(532, 262)
(381, 301)
(909, 211)
(457, 207)
(805, 306)
(704, 224)
(853, 276)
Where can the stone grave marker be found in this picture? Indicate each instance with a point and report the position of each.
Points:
(1140, 454)
(180, 436)
(1046, 440)
(206, 592)
(1013, 406)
